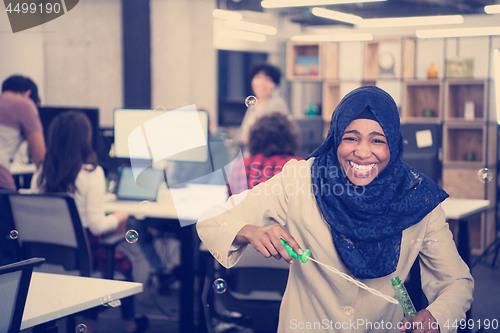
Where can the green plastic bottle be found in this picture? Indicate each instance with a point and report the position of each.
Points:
(403, 298)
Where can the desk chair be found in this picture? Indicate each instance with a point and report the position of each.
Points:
(255, 287)
(49, 226)
(14, 284)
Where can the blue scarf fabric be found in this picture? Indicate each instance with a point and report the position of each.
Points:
(367, 221)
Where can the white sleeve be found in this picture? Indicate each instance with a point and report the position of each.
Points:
(92, 189)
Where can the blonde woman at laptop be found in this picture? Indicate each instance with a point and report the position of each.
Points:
(70, 166)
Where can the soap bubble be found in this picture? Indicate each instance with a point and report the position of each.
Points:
(106, 299)
(251, 101)
(416, 244)
(161, 108)
(14, 234)
(220, 286)
(485, 175)
(81, 328)
(144, 206)
(432, 245)
(131, 236)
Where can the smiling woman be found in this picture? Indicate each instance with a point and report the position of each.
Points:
(361, 214)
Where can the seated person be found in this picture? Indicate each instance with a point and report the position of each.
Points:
(273, 141)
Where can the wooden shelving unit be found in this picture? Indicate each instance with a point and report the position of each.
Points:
(311, 61)
(422, 101)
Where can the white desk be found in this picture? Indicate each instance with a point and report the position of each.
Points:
(22, 169)
(457, 209)
(53, 296)
(179, 207)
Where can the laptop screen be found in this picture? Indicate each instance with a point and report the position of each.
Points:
(145, 187)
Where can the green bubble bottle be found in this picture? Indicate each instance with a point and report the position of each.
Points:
(403, 298)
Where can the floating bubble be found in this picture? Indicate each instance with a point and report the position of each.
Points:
(81, 328)
(55, 302)
(106, 299)
(416, 244)
(142, 210)
(161, 108)
(14, 234)
(220, 286)
(251, 101)
(131, 236)
(485, 175)
(432, 245)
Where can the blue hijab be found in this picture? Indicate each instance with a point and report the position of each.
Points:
(367, 221)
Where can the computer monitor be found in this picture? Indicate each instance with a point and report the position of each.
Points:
(48, 113)
(177, 135)
(311, 132)
(422, 146)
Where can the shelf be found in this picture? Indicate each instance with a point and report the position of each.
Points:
(311, 61)
(465, 99)
(422, 101)
(463, 144)
(389, 58)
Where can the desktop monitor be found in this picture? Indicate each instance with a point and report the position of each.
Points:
(177, 135)
(422, 146)
(48, 113)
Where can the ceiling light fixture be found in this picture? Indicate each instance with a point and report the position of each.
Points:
(335, 15)
(244, 35)
(252, 27)
(492, 9)
(226, 14)
(457, 32)
(411, 21)
(305, 3)
(333, 37)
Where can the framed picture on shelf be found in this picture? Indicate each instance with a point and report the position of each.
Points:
(459, 68)
(306, 65)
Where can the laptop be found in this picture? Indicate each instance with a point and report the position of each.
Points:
(145, 187)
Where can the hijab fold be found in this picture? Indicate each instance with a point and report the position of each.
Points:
(367, 222)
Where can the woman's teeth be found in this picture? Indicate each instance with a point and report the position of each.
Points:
(361, 168)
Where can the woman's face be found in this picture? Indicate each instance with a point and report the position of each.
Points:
(363, 151)
(262, 85)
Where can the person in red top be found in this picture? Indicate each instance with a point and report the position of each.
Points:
(273, 141)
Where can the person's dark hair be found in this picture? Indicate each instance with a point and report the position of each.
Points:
(69, 146)
(270, 70)
(21, 84)
(274, 134)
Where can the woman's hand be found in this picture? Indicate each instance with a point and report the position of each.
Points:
(424, 321)
(266, 240)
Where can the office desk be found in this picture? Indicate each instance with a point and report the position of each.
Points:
(462, 211)
(179, 208)
(53, 296)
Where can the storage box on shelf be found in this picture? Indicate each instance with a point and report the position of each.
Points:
(422, 101)
(469, 148)
(389, 58)
(311, 61)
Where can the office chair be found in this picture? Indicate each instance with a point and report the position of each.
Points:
(14, 284)
(255, 287)
(49, 226)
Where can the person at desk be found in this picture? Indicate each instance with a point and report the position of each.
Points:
(273, 141)
(19, 121)
(70, 166)
(265, 79)
(360, 210)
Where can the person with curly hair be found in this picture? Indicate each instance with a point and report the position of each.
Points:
(273, 141)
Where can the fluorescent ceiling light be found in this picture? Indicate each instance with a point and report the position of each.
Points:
(226, 14)
(335, 15)
(333, 37)
(305, 3)
(244, 35)
(253, 27)
(492, 9)
(462, 32)
(411, 21)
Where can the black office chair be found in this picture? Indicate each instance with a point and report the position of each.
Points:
(14, 284)
(49, 226)
(255, 287)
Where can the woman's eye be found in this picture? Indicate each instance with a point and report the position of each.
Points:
(347, 138)
(378, 141)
